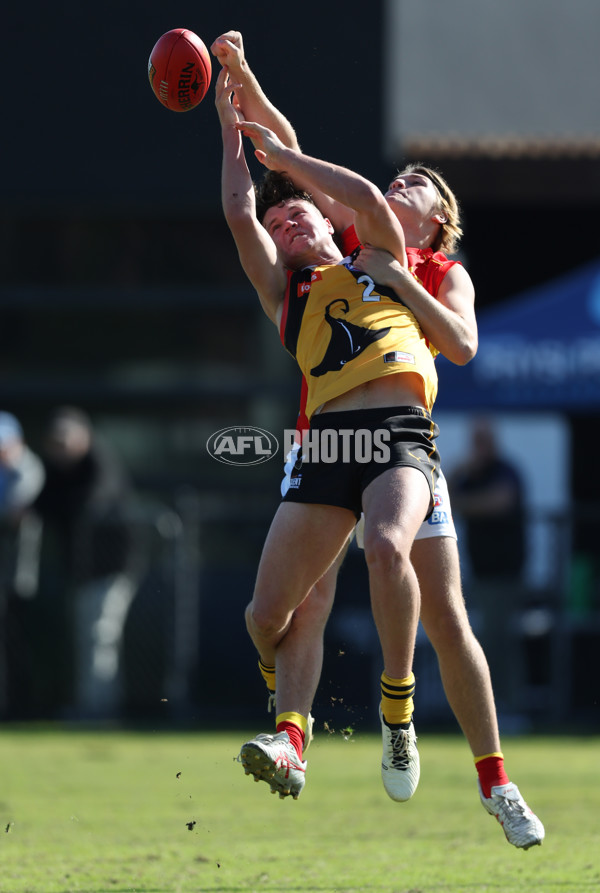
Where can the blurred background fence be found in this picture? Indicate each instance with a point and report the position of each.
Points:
(184, 654)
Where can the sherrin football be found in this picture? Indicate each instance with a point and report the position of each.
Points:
(179, 70)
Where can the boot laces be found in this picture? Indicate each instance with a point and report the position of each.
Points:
(399, 748)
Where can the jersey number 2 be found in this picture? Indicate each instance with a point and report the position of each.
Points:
(368, 294)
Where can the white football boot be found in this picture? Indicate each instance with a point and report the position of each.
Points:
(400, 766)
(273, 758)
(521, 826)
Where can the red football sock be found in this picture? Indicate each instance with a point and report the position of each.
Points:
(295, 734)
(490, 769)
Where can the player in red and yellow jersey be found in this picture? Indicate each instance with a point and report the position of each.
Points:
(428, 211)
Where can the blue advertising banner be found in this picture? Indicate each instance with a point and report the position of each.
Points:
(540, 349)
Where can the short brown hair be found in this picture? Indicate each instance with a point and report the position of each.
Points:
(276, 187)
(450, 232)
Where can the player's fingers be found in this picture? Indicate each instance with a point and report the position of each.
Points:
(216, 47)
(223, 88)
(253, 127)
(233, 37)
(224, 81)
(225, 51)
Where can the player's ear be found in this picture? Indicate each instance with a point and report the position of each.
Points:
(440, 218)
(330, 226)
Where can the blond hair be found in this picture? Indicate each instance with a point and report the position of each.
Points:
(450, 232)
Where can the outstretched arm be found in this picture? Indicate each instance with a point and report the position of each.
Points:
(253, 104)
(250, 98)
(374, 221)
(448, 320)
(256, 249)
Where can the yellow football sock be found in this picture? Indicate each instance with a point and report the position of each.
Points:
(397, 703)
(268, 674)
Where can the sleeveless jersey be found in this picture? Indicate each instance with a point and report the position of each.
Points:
(428, 268)
(344, 330)
(426, 265)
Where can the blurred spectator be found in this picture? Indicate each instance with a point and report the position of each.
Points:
(85, 506)
(21, 479)
(487, 493)
(21, 471)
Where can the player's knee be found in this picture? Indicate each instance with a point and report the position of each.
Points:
(386, 553)
(443, 631)
(263, 621)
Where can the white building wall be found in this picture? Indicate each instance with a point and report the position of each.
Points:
(492, 76)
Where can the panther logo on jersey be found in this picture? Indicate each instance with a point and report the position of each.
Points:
(347, 340)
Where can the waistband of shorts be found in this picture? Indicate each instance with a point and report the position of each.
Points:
(344, 417)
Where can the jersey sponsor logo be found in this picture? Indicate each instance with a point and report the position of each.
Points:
(304, 287)
(399, 356)
(242, 445)
(438, 517)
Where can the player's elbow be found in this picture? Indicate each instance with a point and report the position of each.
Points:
(471, 346)
(368, 196)
(463, 350)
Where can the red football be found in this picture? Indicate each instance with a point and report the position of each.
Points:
(179, 70)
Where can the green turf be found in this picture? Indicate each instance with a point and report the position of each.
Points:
(97, 812)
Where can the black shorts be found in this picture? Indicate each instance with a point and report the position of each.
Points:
(344, 451)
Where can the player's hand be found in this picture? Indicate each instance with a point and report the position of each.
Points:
(228, 49)
(224, 99)
(267, 146)
(380, 265)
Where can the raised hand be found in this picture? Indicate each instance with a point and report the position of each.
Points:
(267, 146)
(224, 99)
(379, 264)
(228, 49)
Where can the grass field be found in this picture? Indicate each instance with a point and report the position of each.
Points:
(143, 812)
